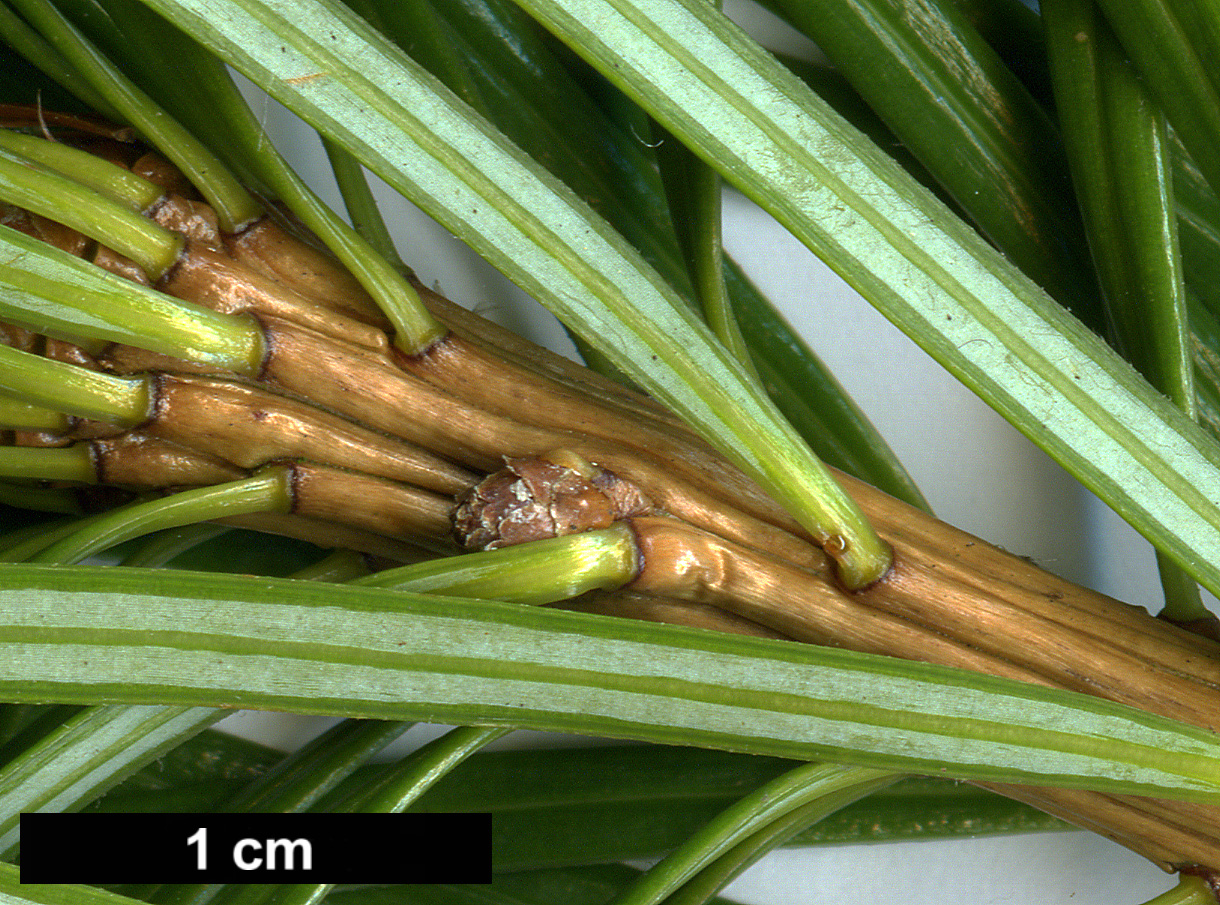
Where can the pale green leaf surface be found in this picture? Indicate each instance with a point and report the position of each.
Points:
(85, 634)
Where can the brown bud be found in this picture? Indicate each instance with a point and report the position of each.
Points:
(533, 498)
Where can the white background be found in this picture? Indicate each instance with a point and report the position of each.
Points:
(975, 470)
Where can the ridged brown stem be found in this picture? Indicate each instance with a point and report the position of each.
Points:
(471, 407)
(214, 280)
(372, 504)
(331, 506)
(268, 248)
(805, 604)
(509, 347)
(477, 377)
(249, 426)
(970, 587)
(497, 373)
(371, 389)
